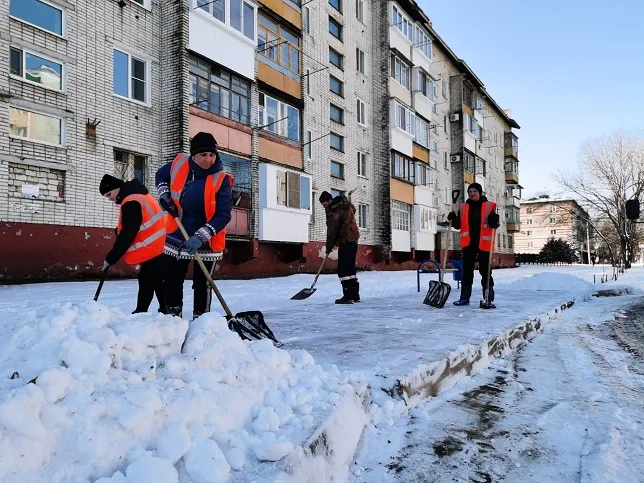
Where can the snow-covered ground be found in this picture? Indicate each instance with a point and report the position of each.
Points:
(113, 397)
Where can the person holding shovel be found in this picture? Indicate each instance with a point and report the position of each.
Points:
(140, 237)
(196, 190)
(477, 220)
(342, 230)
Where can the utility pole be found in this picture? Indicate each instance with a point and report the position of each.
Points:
(588, 239)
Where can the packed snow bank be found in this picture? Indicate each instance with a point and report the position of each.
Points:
(552, 281)
(113, 398)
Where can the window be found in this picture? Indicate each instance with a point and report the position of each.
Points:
(477, 130)
(361, 112)
(35, 126)
(553, 209)
(335, 28)
(363, 216)
(336, 58)
(307, 19)
(36, 69)
(553, 220)
(278, 43)
(445, 124)
(279, 117)
(214, 89)
(293, 190)
(553, 232)
(400, 71)
(445, 89)
(422, 132)
(337, 114)
(445, 163)
(130, 77)
(334, 192)
(360, 10)
(529, 233)
(478, 104)
(402, 24)
(39, 14)
(337, 142)
(435, 146)
(469, 163)
(129, 165)
(337, 170)
(528, 211)
(529, 221)
(362, 164)
(530, 244)
(217, 8)
(424, 175)
(337, 86)
(337, 4)
(359, 60)
(423, 42)
(405, 119)
(401, 215)
(504, 238)
(467, 122)
(402, 167)
(481, 167)
(308, 81)
(309, 136)
(427, 218)
(510, 241)
(242, 17)
(425, 85)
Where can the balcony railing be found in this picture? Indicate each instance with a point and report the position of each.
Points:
(240, 170)
(511, 171)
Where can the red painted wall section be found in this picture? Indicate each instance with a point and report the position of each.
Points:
(35, 252)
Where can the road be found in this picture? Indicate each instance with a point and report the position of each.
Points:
(566, 407)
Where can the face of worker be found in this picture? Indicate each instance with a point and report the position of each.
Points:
(473, 194)
(326, 203)
(111, 195)
(205, 160)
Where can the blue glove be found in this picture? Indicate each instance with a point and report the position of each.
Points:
(105, 266)
(192, 244)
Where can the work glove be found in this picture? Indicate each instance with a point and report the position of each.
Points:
(167, 204)
(451, 216)
(329, 250)
(493, 220)
(192, 244)
(106, 265)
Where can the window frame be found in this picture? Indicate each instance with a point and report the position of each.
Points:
(426, 46)
(24, 51)
(280, 45)
(419, 122)
(288, 191)
(409, 125)
(340, 57)
(333, 135)
(341, 84)
(363, 218)
(361, 112)
(338, 7)
(340, 174)
(63, 19)
(362, 164)
(339, 110)
(283, 122)
(339, 26)
(404, 67)
(148, 76)
(361, 61)
(403, 210)
(62, 133)
(408, 173)
(360, 11)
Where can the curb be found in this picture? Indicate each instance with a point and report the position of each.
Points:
(429, 380)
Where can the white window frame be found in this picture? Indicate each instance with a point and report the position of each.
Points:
(360, 11)
(63, 132)
(404, 25)
(63, 20)
(404, 67)
(427, 219)
(147, 4)
(362, 164)
(361, 112)
(435, 146)
(282, 126)
(148, 77)
(423, 42)
(208, 14)
(400, 216)
(306, 20)
(308, 148)
(361, 61)
(422, 126)
(405, 118)
(278, 192)
(363, 218)
(63, 75)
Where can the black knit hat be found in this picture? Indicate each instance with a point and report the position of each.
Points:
(109, 183)
(477, 187)
(326, 196)
(203, 142)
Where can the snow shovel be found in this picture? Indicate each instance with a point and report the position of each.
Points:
(438, 291)
(486, 304)
(100, 284)
(249, 325)
(305, 293)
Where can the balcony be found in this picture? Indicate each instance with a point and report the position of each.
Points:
(512, 220)
(511, 171)
(511, 146)
(513, 196)
(240, 170)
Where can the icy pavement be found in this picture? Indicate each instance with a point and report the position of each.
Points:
(113, 396)
(567, 406)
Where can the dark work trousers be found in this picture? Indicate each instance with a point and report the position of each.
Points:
(347, 261)
(175, 275)
(150, 283)
(470, 257)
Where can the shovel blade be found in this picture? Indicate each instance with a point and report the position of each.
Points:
(250, 325)
(437, 294)
(305, 293)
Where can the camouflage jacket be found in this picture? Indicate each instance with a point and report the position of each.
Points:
(341, 226)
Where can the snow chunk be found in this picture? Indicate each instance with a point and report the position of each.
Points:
(20, 411)
(205, 463)
(270, 449)
(81, 356)
(117, 477)
(55, 383)
(174, 442)
(149, 469)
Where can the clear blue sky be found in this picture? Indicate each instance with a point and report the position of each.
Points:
(568, 69)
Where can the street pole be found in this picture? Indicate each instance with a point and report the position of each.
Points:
(588, 239)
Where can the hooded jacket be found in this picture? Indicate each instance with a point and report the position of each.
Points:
(131, 218)
(341, 226)
(192, 197)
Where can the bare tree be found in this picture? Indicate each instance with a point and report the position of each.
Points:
(610, 172)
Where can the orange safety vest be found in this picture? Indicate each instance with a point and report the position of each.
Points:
(178, 176)
(486, 243)
(150, 239)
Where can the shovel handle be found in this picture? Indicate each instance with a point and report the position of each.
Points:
(317, 275)
(205, 271)
(100, 284)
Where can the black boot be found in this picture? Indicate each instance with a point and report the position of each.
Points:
(356, 291)
(466, 293)
(196, 315)
(176, 311)
(347, 296)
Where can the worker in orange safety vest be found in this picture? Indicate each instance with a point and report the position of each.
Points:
(140, 237)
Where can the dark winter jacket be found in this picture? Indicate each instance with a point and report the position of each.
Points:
(131, 218)
(192, 198)
(475, 221)
(341, 226)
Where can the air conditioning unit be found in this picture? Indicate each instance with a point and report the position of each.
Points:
(456, 158)
(455, 117)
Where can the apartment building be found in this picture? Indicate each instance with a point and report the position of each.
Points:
(546, 217)
(88, 88)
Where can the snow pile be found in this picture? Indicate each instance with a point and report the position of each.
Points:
(562, 282)
(114, 400)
